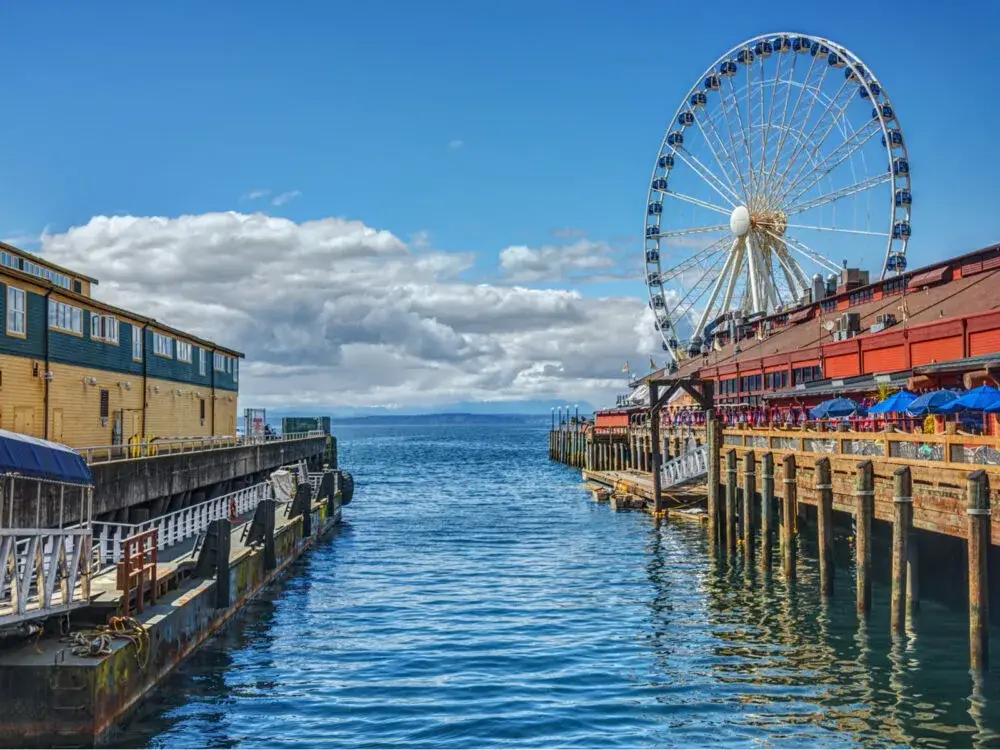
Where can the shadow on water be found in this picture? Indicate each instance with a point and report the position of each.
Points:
(479, 599)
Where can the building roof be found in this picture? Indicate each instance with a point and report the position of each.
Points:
(959, 365)
(43, 262)
(835, 386)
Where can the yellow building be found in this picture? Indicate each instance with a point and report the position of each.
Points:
(84, 373)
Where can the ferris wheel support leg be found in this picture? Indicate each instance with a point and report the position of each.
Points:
(726, 270)
(737, 270)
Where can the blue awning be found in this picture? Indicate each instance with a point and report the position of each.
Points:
(41, 459)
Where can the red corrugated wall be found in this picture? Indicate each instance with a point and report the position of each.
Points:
(885, 360)
(984, 342)
(935, 350)
(841, 366)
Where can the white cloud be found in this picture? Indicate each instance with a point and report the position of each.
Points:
(582, 260)
(254, 195)
(456, 143)
(282, 198)
(335, 313)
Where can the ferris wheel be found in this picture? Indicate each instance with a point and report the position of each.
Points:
(784, 161)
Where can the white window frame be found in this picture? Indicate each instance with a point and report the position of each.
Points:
(104, 328)
(17, 311)
(163, 346)
(64, 317)
(202, 362)
(138, 345)
(236, 370)
(219, 362)
(183, 350)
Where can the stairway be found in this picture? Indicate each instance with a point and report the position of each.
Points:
(687, 467)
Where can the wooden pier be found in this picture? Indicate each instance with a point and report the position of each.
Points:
(765, 487)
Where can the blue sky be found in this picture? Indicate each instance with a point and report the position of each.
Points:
(484, 125)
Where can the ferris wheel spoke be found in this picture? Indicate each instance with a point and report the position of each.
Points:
(698, 202)
(732, 141)
(744, 134)
(792, 270)
(803, 249)
(723, 167)
(766, 136)
(785, 127)
(694, 261)
(831, 161)
(840, 113)
(693, 288)
(686, 232)
(838, 229)
(836, 195)
(815, 92)
(707, 176)
(722, 278)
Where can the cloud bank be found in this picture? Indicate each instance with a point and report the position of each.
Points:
(335, 313)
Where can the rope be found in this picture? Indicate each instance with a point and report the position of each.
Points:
(97, 642)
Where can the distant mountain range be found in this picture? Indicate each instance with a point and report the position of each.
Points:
(451, 419)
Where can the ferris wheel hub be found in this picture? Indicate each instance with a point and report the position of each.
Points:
(739, 221)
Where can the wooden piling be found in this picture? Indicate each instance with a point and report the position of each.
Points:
(978, 510)
(902, 501)
(749, 495)
(864, 489)
(788, 510)
(657, 460)
(912, 576)
(766, 508)
(731, 501)
(713, 480)
(824, 487)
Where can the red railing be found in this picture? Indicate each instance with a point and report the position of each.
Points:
(136, 569)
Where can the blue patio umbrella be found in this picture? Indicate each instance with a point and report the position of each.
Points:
(895, 403)
(931, 403)
(975, 400)
(837, 407)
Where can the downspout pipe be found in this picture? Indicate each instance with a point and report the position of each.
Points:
(145, 371)
(45, 373)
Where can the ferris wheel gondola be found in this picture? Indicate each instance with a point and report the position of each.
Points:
(785, 160)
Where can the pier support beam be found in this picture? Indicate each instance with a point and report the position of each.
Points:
(864, 485)
(766, 508)
(749, 494)
(824, 488)
(912, 576)
(788, 511)
(902, 501)
(657, 459)
(731, 501)
(978, 510)
(714, 480)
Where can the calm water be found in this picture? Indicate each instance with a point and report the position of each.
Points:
(476, 597)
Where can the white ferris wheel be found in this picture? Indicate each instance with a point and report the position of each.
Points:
(784, 160)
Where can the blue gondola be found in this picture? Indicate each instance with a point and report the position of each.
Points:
(901, 230)
(666, 162)
(728, 68)
(763, 48)
(856, 74)
(875, 88)
(781, 44)
(685, 119)
(652, 231)
(903, 198)
(745, 56)
(713, 82)
(675, 139)
(698, 99)
(801, 44)
(818, 49)
(896, 262)
(657, 300)
(660, 184)
(886, 110)
(836, 61)
(895, 138)
(655, 208)
(673, 343)
(652, 256)
(653, 278)
(900, 166)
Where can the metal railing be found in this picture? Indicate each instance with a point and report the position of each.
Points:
(177, 526)
(688, 466)
(100, 454)
(43, 572)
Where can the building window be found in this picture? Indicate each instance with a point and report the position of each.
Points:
(202, 362)
(861, 296)
(203, 411)
(104, 328)
(183, 351)
(105, 405)
(5, 259)
(829, 305)
(236, 370)
(894, 286)
(163, 345)
(219, 362)
(807, 374)
(65, 317)
(16, 305)
(137, 343)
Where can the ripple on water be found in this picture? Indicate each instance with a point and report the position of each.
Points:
(476, 597)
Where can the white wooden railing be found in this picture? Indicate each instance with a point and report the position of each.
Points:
(101, 454)
(688, 466)
(43, 572)
(179, 525)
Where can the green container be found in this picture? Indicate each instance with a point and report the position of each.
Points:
(305, 424)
